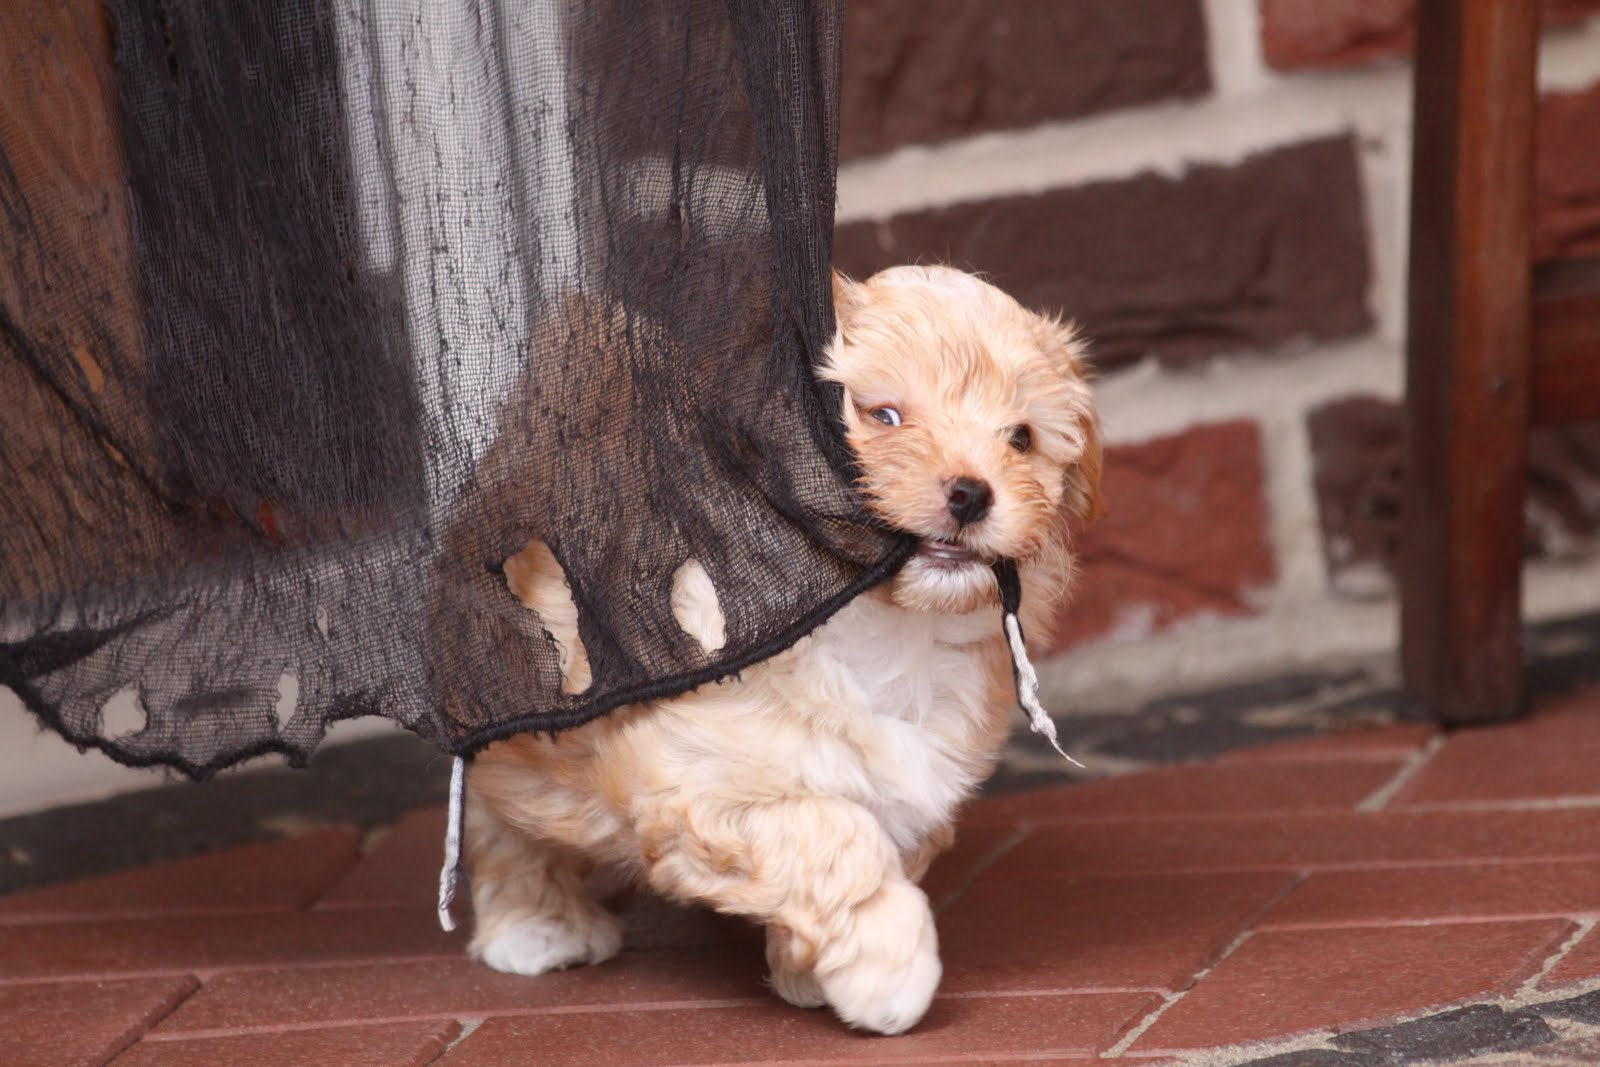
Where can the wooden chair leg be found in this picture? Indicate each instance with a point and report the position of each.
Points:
(1468, 355)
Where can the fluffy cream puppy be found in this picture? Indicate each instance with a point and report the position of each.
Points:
(811, 793)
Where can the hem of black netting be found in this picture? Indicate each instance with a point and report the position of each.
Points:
(474, 742)
(676, 685)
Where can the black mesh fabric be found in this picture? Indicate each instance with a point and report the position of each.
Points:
(314, 312)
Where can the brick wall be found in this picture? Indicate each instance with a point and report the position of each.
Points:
(1216, 190)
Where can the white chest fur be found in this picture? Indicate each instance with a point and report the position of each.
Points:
(897, 705)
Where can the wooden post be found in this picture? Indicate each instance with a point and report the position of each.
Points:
(1468, 355)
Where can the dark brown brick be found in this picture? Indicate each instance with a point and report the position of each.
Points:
(917, 71)
(1222, 258)
(1568, 180)
(1186, 535)
(1357, 453)
(1320, 33)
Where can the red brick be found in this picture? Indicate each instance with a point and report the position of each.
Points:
(190, 942)
(1567, 187)
(1300, 841)
(1218, 259)
(960, 1029)
(1057, 933)
(1199, 789)
(395, 1044)
(1536, 889)
(270, 875)
(1285, 982)
(1579, 965)
(976, 847)
(400, 867)
(460, 988)
(917, 71)
(1553, 754)
(1339, 33)
(1186, 535)
(60, 1024)
(1378, 743)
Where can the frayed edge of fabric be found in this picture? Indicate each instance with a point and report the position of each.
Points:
(450, 873)
(1028, 689)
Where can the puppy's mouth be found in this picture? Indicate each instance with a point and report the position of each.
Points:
(948, 554)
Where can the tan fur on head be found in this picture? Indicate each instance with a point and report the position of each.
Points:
(982, 389)
(811, 793)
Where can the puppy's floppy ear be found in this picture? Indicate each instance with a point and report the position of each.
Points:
(1083, 477)
(1066, 347)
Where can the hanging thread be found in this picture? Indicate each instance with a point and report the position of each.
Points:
(1022, 672)
(451, 871)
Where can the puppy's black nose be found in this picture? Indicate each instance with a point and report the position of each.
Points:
(969, 499)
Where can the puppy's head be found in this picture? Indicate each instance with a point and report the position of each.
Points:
(973, 424)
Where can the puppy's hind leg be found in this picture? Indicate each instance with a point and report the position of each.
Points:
(531, 912)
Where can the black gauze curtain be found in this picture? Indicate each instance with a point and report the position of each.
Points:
(315, 312)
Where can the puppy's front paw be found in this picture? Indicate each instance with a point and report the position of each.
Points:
(883, 977)
(787, 978)
(535, 945)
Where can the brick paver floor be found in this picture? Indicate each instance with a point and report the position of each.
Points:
(1310, 895)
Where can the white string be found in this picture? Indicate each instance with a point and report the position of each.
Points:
(1028, 689)
(452, 845)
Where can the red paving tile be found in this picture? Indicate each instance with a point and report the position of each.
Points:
(1152, 932)
(1055, 936)
(408, 1044)
(962, 1029)
(1579, 965)
(1309, 840)
(458, 987)
(1198, 789)
(1373, 743)
(975, 848)
(1284, 982)
(1554, 753)
(60, 1024)
(400, 867)
(199, 942)
(271, 875)
(1412, 894)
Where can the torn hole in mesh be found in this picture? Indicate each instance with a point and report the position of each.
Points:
(536, 578)
(122, 715)
(696, 607)
(288, 699)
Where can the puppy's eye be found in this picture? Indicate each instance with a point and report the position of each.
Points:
(1020, 438)
(887, 415)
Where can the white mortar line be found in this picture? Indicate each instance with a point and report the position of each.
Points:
(1205, 652)
(1380, 798)
(1221, 128)
(1233, 41)
(1164, 138)
(1293, 527)
(1146, 401)
(1555, 588)
(468, 1028)
(1531, 986)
